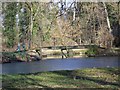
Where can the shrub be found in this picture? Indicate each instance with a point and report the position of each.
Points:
(93, 50)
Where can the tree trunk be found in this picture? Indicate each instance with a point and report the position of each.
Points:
(17, 27)
(118, 28)
(108, 21)
(41, 40)
(31, 29)
(74, 11)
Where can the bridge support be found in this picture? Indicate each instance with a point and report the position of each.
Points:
(69, 53)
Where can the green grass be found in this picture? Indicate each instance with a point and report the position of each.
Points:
(85, 78)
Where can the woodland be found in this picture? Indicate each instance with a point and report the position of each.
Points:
(34, 25)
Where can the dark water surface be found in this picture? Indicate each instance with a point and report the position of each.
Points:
(59, 64)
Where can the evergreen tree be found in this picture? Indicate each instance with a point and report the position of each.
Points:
(9, 23)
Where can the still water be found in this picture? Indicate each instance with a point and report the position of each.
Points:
(59, 64)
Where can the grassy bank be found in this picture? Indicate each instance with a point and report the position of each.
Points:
(85, 78)
(32, 55)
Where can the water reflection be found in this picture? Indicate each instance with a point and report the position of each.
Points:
(59, 64)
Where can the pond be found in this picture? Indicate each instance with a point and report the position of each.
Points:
(59, 64)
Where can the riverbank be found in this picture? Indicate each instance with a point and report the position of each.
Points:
(82, 78)
(32, 55)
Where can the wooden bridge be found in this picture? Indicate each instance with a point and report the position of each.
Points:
(64, 51)
(67, 51)
(71, 47)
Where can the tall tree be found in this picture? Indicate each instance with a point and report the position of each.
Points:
(9, 23)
